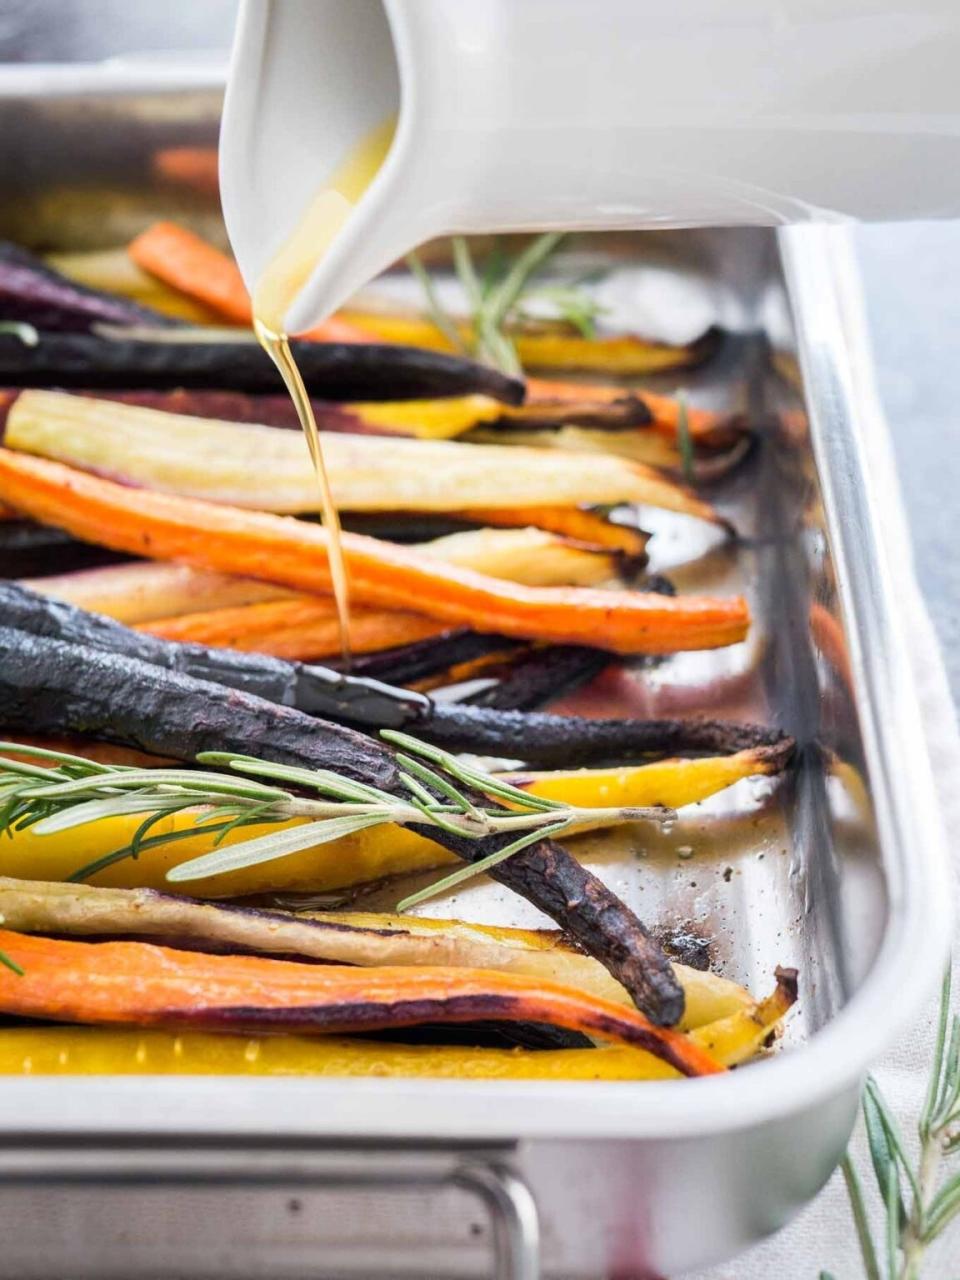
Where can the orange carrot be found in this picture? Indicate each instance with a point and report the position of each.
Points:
(195, 167)
(304, 627)
(181, 259)
(138, 984)
(580, 524)
(293, 553)
(703, 424)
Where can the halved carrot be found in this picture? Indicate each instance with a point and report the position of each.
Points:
(580, 524)
(135, 983)
(293, 553)
(703, 424)
(248, 465)
(303, 627)
(183, 260)
(547, 345)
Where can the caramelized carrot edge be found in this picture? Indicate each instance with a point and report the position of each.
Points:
(186, 262)
(293, 553)
(145, 985)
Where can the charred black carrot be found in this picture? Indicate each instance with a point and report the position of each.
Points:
(538, 738)
(540, 676)
(423, 658)
(331, 370)
(48, 686)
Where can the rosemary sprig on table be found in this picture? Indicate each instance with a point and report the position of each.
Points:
(241, 791)
(919, 1199)
(497, 298)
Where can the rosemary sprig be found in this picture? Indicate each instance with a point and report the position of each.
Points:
(495, 300)
(684, 439)
(919, 1199)
(229, 795)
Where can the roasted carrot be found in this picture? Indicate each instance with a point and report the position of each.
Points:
(248, 465)
(134, 983)
(303, 627)
(289, 552)
(580, 524)
(704, 425)
(549, 345)
(196, 167)
(60, 1051)
(182, 259)
(356, 938)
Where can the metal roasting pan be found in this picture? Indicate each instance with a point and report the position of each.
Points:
(838, 869)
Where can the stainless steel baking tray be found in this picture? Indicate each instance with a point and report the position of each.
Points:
(839, 869)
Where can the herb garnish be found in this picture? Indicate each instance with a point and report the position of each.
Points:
(918, 1199)
(252, 792)
(684, 439)
(496, 300)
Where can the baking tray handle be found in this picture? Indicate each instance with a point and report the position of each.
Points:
(512, 1211)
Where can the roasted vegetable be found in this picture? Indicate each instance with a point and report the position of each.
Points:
(292, 553)
(353, 859)
(141, 985)
(343, 938)
(592, 526)
(183, 260)
(59, 1051)
(253, 466)
(581, 524)
(145, 590)
(300, 628)
(48, 686)
(331, 370)
(537, 738)
(547, 345)
(541, 675)
(33, 292)
(113, 271)
(424, 658)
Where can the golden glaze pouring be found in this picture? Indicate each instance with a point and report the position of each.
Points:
(279, 284)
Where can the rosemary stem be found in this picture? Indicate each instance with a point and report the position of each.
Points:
(912, 1244)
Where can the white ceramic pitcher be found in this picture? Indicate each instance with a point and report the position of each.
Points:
(532, 114)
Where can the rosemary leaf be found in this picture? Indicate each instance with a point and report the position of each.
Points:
(894, 1207)
(106, 807)
(478, 868)
(435, 308)
(322, 780)
(120, 855)
(276, 844)
(860, 1220)
(10, 964)
(433, 779)
(936, 1071)
(895, 1142)
(942, 1209)
(62, 758)
(463, 265)
(882, 1152)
